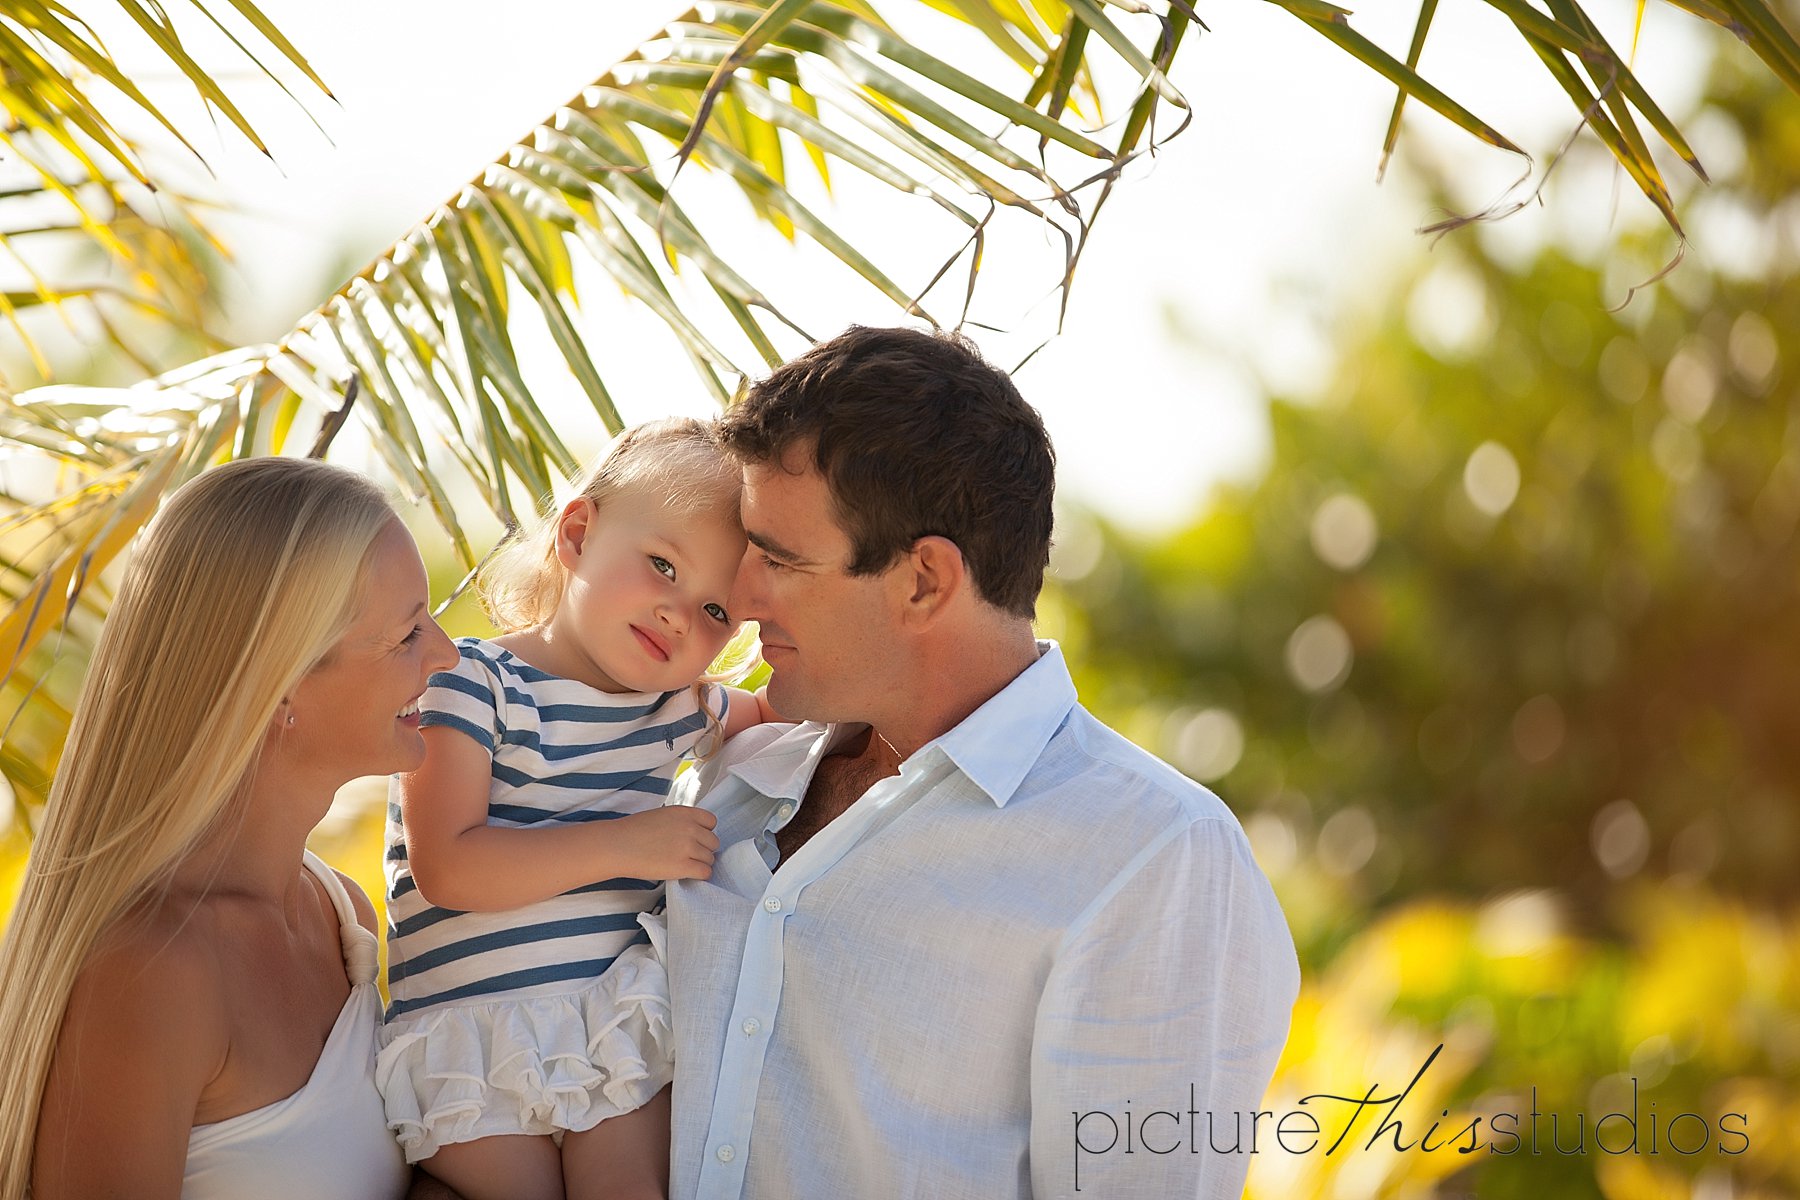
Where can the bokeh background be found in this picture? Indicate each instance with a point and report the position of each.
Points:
(1470, 586)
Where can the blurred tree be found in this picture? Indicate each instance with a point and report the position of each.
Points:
(1516, 601)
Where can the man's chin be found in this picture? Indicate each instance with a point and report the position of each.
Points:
(791, 700)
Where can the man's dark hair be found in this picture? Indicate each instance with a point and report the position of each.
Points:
(916, 435)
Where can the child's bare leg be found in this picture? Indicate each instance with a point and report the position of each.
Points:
(504, 1167)
(622, 1158)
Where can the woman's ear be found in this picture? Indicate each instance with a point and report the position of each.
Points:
(572, 526)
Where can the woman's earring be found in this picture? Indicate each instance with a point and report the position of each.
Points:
(290, 719)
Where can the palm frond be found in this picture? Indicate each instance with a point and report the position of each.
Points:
(760, 99)
(1612, 99)
(776, 105)
(85, 235)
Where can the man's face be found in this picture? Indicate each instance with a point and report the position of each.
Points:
(829, 636)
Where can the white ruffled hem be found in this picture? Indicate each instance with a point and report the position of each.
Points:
(536, 1065)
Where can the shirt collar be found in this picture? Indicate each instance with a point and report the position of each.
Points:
(994, 746)
(998, 743)
(783, 769)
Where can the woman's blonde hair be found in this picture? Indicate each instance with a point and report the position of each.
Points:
(241, 584)
(522, 582)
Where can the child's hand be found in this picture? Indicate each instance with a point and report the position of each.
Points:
(673, 842)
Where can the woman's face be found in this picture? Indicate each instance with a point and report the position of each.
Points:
(356, 713)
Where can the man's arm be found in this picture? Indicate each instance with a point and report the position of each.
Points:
(1167, 1003)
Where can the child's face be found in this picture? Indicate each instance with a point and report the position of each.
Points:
(645, 596)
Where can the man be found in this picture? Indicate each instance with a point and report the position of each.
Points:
(961, 939)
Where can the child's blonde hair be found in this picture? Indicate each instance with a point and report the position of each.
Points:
(521, 585)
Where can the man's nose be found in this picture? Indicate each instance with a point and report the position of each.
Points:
(745, 601)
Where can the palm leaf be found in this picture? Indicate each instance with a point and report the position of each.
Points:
(74, 187)
(426, 331)
(1566, 30)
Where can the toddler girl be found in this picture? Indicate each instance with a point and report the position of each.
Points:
(527, 1040)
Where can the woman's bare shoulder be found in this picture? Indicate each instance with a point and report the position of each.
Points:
(144, 1032)
(156, 970)
(359, 901)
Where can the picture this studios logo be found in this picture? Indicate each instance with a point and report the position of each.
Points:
(1329, 1123)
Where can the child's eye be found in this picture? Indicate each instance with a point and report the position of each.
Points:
(718, 614)
(663, 566)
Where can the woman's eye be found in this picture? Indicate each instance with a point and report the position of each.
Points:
(663, 566)
(412, 637)
(718, 614)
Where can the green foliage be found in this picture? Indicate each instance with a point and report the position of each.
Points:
(1527, 601)
(1494, 662)
(83, 229)
(1687, 1014)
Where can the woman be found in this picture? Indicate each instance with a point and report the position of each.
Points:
(188, 997)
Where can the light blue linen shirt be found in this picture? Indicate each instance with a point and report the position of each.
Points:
(1031, 964)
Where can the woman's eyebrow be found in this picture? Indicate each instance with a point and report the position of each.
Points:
(413, 616)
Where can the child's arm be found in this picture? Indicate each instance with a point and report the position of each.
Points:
(461, 862)
(747, 709)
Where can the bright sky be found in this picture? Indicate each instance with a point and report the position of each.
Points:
(1228, 261)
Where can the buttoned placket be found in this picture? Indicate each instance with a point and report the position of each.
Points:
(760, 972)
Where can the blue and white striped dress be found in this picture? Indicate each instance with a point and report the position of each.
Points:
(553, 1016)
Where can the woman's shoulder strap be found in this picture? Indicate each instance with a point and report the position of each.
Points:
(359, 945)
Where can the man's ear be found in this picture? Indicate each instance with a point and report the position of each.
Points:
(933, 575)
(572, 527)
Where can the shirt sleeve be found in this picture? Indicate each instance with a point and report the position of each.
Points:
(1161, 1021)
(469, 698)
(718, 700)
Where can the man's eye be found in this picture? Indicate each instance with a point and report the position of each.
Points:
(718, 614)
(663, 566)
(773, 564)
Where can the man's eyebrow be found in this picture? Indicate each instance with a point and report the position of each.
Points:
(770, 546)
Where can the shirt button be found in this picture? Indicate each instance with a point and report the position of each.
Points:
(785, 811)
(726, 1153)
(751, 1026)
(773, 904)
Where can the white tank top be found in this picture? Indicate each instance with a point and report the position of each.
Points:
(330, 1139)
